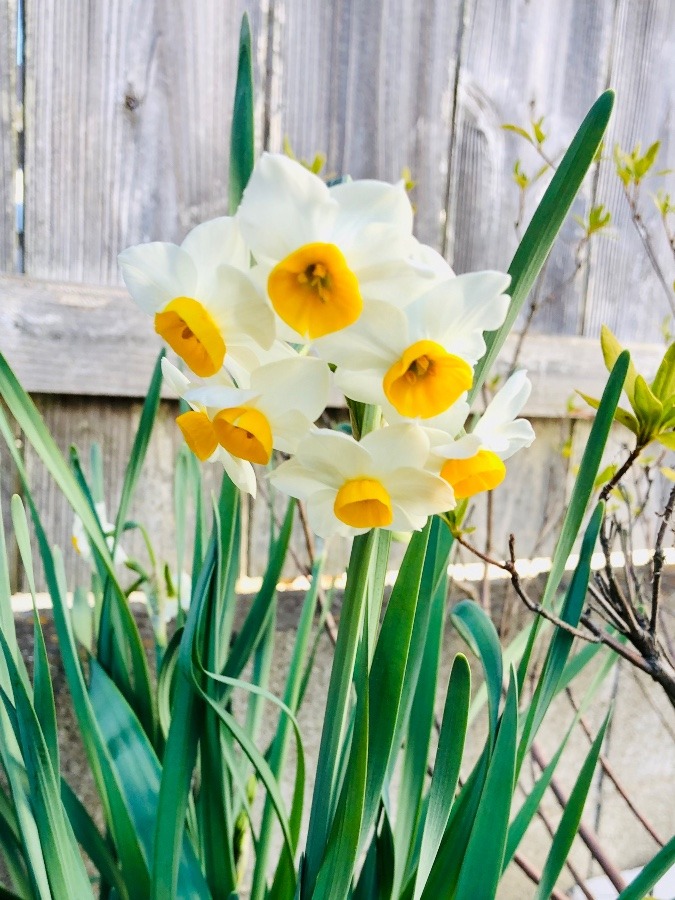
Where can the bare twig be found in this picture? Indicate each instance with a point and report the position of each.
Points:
(658, 560)
(621, 471)
(585, 833)
(610, 772)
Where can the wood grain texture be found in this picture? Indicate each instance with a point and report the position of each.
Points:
(9, 120)
(521, 60)
(80, 422)
(127, 140)
(623, 289)
(63, 338)
(370, 85)
(129, 108)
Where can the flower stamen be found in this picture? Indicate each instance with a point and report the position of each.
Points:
(426, 380)
(314, 291)
(363, 503)
(467, 477)
(190, 331)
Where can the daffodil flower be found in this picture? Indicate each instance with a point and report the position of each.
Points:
(323, 252)
(416, 362)
(201, 297)
(475, 462)
(378, 482)
(80, 539)
(241, 426)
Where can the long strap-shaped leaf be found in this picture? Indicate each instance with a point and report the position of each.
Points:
(567, 829)
(478, 631)
(326, 784)
(446, 767)
(581, 493)
(387, 673)
(656, 868)
(546, 222)
(482, 865)
(242, 135)
(115, 809)
(24, 411)
(561, 643)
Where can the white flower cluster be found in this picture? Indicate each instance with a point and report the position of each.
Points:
(335, 272)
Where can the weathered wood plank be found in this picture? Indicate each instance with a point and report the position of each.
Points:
(129, 108)
(9, 122)
(112, 424)
(518, 57)
(623, 289)
(93, 341)
(370, 84)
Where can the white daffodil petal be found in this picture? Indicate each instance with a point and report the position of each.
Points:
(458, 311)
(376, 340)
(239, 309)
(451, 421)
(219, 396)
(420, 493)
(394, 280)
(156, 273)
(289, 429)
(430, 264)
(507, 402)
(298, 480)
(511, 438)
(284, 206)
(333, 453)
(463, 448)
(299, 384)
(398, 445)
(365, 202)
(321, 515)
(239, 471)
(175, 378)
(214, 243)
(362, 385)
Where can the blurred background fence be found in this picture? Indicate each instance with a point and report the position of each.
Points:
(114, 129)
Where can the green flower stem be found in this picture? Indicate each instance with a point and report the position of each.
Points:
(326, 788)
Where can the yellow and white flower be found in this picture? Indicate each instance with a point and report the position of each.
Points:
(80, 539)
(378, 482)
(323, 252)
(418, 361)
(240, 426)
(475, 462)
(201, 297)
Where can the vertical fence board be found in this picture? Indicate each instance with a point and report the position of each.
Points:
(9, 119)
(129, 113)
(624, 291)
(370, 84)
(8, 135)
(112, 424)
(129, 109)
(519, 59)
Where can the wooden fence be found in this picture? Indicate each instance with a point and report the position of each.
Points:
(123, 137)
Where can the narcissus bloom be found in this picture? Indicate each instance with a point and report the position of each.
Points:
(203, 302)
(378, 482)
(475, 462)
(418, 361)
(80, 539)
(323, 252)
(241, 426)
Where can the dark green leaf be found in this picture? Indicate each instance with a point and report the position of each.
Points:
(242, 134)
(446, 767)
(545, 224)
(567, 829)
(477, 629)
